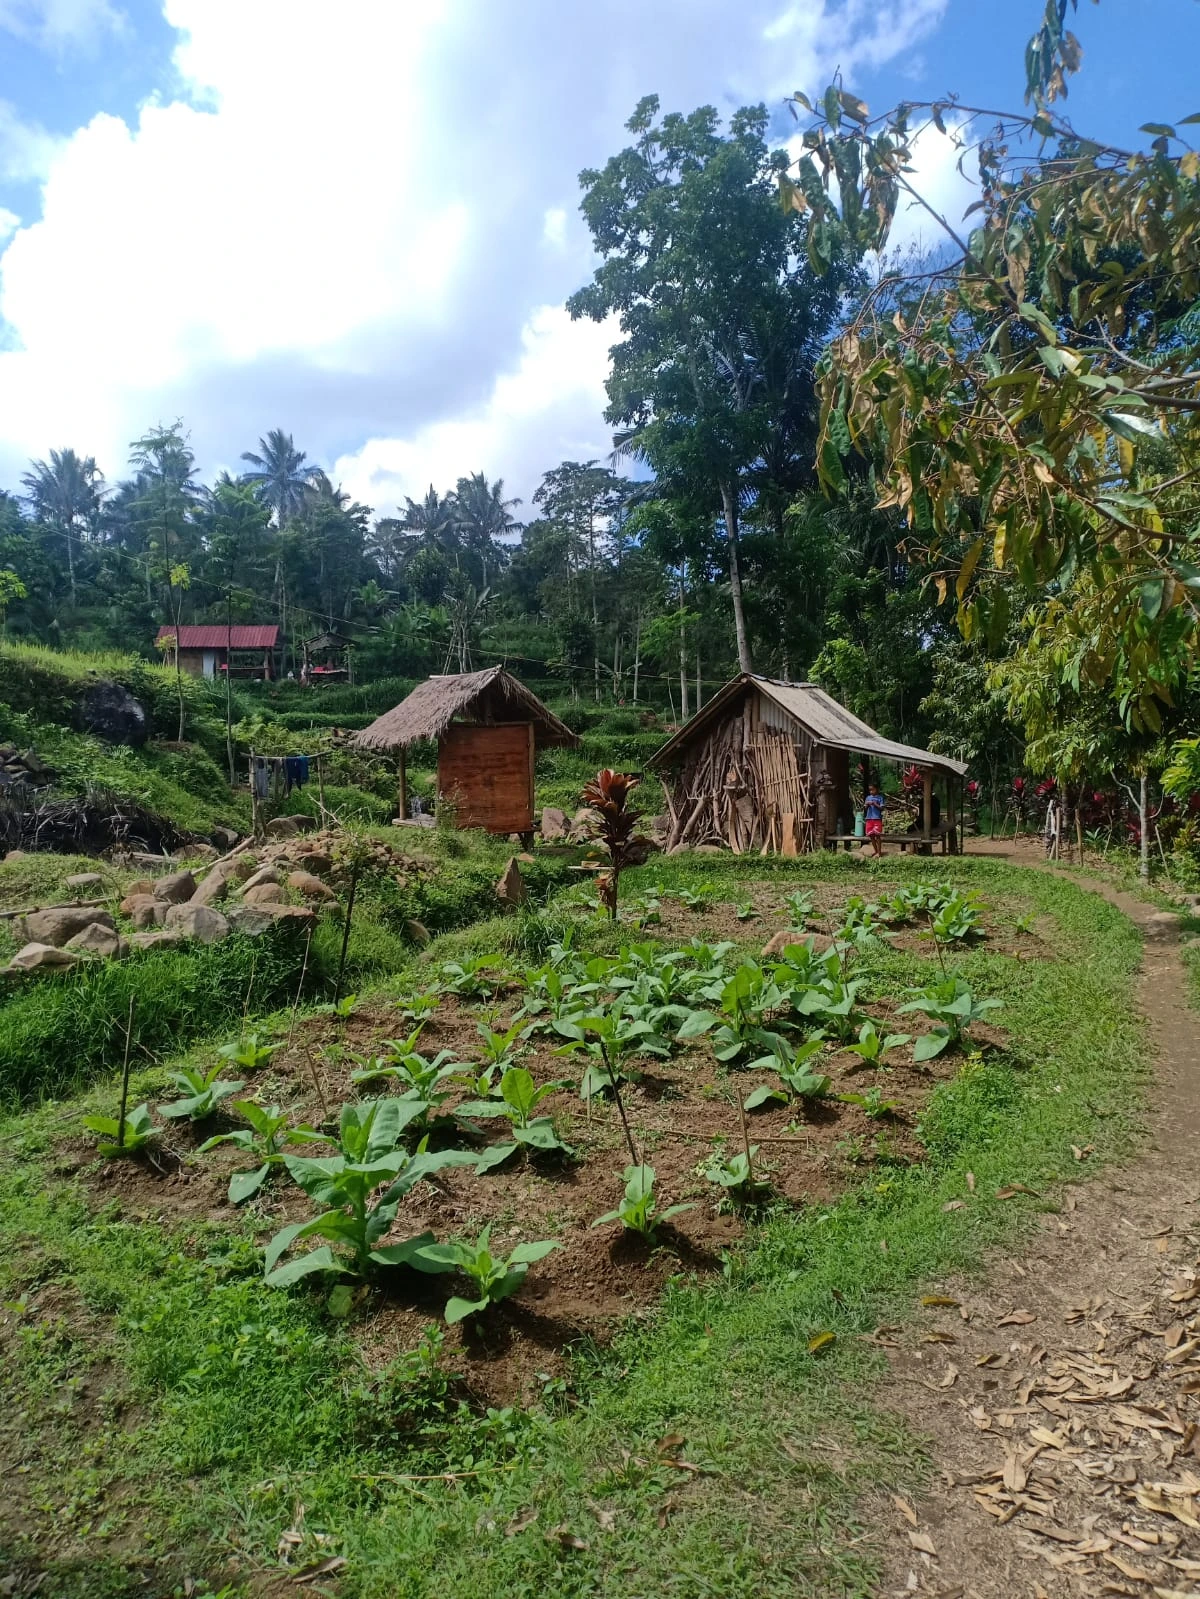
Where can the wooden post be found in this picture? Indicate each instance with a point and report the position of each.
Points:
(321, 787)
(927, 804)
(402, 785)
(951, 811)
(254, 827)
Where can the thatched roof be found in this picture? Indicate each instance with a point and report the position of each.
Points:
(481, 697)
(817, 712)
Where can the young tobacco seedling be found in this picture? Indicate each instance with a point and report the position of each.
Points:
(638, 1211)
(519, 1098)
(953, 1009)
(799, 906)
(798, 1079)
(493, 1277)
(343, 1185)
(250, 1053)
(872, 1103)
(139, 1131)
(419, 1007)
(475, 978)
(341, 1008)
(265, 1138)
(873, 1045)
(745, 998)
(745, 911)
(697, 899)
(499, 1049)
(957, 922)
(736, 1176)
(612, 1038)
(202, 1091)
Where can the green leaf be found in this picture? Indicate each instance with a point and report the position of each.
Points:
(1153, 593)
(1131, 425)
(412, 1252)
(245, 1183)
(494, 1155)
(764, 1094)
(931, 1044)
(459, 1309)
(322, 1259)
(526, 1254)
(698, 1023)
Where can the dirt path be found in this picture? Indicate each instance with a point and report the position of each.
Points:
(1062, 1396)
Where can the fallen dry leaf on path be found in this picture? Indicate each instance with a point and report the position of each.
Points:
(905, 1509)
(1017, 1318)
(923, 1542)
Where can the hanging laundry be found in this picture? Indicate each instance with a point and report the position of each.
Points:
(295, 772)
(260, 777)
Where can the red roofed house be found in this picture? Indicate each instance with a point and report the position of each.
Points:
(212, 649)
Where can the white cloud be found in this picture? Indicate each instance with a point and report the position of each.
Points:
(27, 151)
(360, 225)
(946, 190)
(59, 24)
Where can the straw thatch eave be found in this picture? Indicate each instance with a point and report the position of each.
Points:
(484, 698)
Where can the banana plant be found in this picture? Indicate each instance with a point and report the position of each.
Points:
(352, 1220)
(250, 1052)
(493, 1277)
(638, 1211)
(266, 1138)
(952, 1008)
(139, 1130)
(519, 1098)
(798, 1079)
(202, 1091)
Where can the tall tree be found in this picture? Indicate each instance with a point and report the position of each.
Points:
(483, 519)
(585, 499)
(279, 475)
(65, 495)
(166, 471)
(232, 522)
(721, 314)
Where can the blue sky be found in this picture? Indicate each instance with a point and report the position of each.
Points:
(358, 221)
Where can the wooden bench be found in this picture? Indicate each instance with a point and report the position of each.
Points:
(948, 837)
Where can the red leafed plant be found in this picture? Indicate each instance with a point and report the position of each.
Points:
(608, 795)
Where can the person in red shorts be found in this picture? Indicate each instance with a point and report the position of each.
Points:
(873, 812)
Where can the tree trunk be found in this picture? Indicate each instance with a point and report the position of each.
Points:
(730, 504)
(637, 655)
(595, 607)
(71, 562)
(683, 689)
(699, 699)
(228, 682)
(1143, 831)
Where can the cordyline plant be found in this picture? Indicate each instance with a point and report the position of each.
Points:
(608, 795)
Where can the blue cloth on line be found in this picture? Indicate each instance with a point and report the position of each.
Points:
(295, 772)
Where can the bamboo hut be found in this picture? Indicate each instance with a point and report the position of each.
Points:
(488, 728)
(766, 766)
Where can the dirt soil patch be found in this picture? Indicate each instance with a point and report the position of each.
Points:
(1061, 1397)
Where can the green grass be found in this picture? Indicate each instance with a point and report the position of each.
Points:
(171, 1409)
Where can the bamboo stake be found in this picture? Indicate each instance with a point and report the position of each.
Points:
(125, 1074)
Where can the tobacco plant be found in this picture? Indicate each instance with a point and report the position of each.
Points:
(736, 1176)
(250, 1052)
(952, 1008)
(519, 1098)
(638, 1211)
(799, 906)
(345, 1186)
(475, 978)
(493, 1277)
(746, 999)
(499, 1049)
(873, 1045)
(266, 1139)
(798, 1079)
(139, 1130)
(202, 1091)
(612, 1037)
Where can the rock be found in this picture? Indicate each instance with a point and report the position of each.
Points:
(213, 887)
(176, 888)
(416, 930)
(142, 857)
(584, 824)
(97, 939)
(57, 926)
(658, 827)
(35, 957)
(144, 885)
(526, 859)
(414, 821)
(283, 827)
(165, 938)
(678, 849)
(302, 915)
(1162, 925)
(313, 861)
(135, 896)
(14, 855)
(510, 887)
(265, 874)
(251, 920)
(149, 912)
(308, 885)
(85, 880)
(204, 852)
(708, 849)
(553, 825)
(264, 894)
(244, 867)
(198, 921)
(112, 713)
(224, 837)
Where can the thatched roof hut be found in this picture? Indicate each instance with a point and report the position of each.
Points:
(488, 728)
(766, 766)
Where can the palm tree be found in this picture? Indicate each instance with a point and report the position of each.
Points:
(433, 518)
(280, 477)
(483, 517)
(65, 494)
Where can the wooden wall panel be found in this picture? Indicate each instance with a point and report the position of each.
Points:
(487, 772)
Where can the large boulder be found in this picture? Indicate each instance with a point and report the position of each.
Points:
(224, 837)
(199, 922)
(251, 920)
(113, 714)
(283, 827)
(176, 888)
(510, 887)
(97, 939)
(214, 886)
(312, 860)
(81, 880)
(297, 915)
(163, 938)
(144, 885)
(554, 824)
(40, 957)
(61, 923)
(311, 887)
(264, 894)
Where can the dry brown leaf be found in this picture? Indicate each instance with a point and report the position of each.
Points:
(522, 1519)
(606, 1519)
(323, 1568)
(1016, 1188)
(980, 1417)
(954, 1204)
(1185, 1352)
(991, 1358)
(1017, 1318)
(1127, 1568)
(664, 1514)
(1015, 1475)
(1190, 1568)
(971, 1181)
(937, 1337)
(939, 1302)
(1160, 1498)
(923, 1542)
(671, 1443)
(949, 1377)
(565, 1538)
(1173, 1336)
(905, 1509)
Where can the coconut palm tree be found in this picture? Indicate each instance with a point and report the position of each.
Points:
(280, 476)
(65, 495)
(483, 518)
